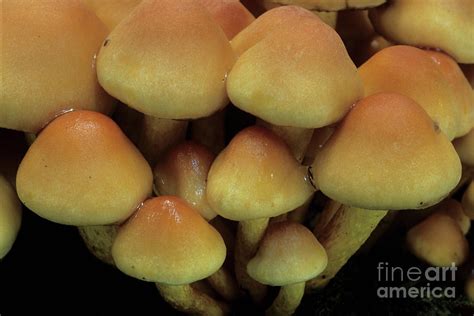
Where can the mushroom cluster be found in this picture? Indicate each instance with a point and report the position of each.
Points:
(187, 140)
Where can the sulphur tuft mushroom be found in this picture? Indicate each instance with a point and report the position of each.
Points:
(10, 216)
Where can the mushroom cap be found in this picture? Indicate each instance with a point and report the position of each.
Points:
(182, 171)
(289, 253)
(413, 72)
(82, 170)
(10, 216)
(468, 201)
(167, 241)
(111, 12)
(439, 241)
(256, 176)
(231, 15)
(387, 154)
(167, 59)
(455, 210)
(446, 25)
(298, 74)
(465, 148)
(48, 62)
(331, 5)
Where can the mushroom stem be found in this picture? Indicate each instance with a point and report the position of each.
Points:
(187, 299)
(288, 300)
(224, 283)
(299, 214)
(98, 240)
(249, 235)
(296, 138)
(209, 131)
(158, 134)
(342, 230)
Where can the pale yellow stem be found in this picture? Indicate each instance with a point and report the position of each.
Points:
(98, 240)
(342, 232)
(157, 135)
(210, 131)
(249, 235)
(319, 138)
(187, 299)
(225, 284)
(287, 301)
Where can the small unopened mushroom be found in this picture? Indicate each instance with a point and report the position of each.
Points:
(438, 241)
(82, 170)
(10, 216)
(169, 60)
(434, 81)
(468, 201)
(48, 62)
(445, 25)
(167, 242)
(254, 178)
(288, 256)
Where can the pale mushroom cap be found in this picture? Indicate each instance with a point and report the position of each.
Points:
(331, 5)
(10, 216)
(447, 25)
(231, 15)
(82, 170)
(167, 241)
(182, 171)
(48, 62)
(465, 148)
(297, 75)
(256, 176)
(455, 210)
(111, 12)
(289, 253)
(468, 201)
(387, 154)
(412, 72)
(167, 59)
(439, 241)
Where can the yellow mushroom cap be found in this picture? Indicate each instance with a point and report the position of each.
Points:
(455, 210)
(468, 201)
(82, 170)
(297, 75)
(439, 241)
(10, 216)
(387, 154)
(182, 171)
(447, 25)
(112, 12)
(231, 15)
(289, 253)
(465, 148)
(167, 59)
(167, 241)
(412, 72)
(256, 176)
(331, 5)
(48, 62)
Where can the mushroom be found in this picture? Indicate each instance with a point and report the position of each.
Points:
(445, 25)
(288, 256)
(293, 72)
(182, 172)
(269, 183)
(330, 5)
(112, 12)
(82, 170)
(167, 242)
(433, 81)
(10, 216)
(387, 154)
(48, 62)
(169, 60)
(468, 201)
(455, 210)
(438, 241)
(464, 147)
(469, 287)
